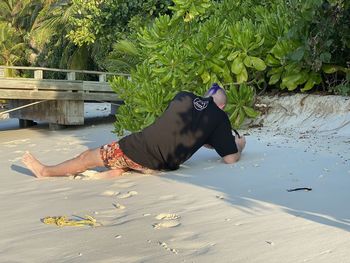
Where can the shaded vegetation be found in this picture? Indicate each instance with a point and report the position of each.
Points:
(247, 46)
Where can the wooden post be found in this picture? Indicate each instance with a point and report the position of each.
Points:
(70, 75)
(2, 73)
(38, 74)
(102, 78)
(24, 123)
(114, 109)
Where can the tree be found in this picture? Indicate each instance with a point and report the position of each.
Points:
(11, 48)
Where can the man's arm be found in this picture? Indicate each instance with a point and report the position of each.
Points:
(232, 158)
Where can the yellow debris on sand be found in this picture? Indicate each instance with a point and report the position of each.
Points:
(65, 221)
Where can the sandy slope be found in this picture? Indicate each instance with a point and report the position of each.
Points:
(204, 212)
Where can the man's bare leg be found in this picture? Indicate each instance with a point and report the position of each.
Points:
(86, 160)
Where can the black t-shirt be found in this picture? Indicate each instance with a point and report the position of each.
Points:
(187, 124)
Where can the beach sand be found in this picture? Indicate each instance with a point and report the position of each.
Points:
(206, 211)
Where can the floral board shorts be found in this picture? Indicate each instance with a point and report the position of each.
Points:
(114, 158)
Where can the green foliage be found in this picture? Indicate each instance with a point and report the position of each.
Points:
(74, 33)
(244, 40)
(190, 9)
(314, 41)
(169, 46)
(17, 19)
(11, 47)
(240, 103)
(97, 24)
(92, 19)
(124, 57)
(283, 44)
(144, 99)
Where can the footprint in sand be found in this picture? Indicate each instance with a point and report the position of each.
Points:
(166, 247)
(110, 193)
(167, 216)
(166, 224)
(128, 194)
(190, 243)
(171, 220)
(119, 206)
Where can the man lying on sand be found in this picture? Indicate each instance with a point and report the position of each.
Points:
(188, 123)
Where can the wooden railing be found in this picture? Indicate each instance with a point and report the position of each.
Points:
(63, 99)
(56, 89)
(38, 72)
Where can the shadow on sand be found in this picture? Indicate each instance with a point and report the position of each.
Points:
(264, 174)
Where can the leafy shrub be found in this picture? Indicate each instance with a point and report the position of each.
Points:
(239, 44)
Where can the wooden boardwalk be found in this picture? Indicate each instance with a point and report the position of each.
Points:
(59, 102)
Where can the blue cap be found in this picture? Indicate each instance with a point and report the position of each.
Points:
(213, 89)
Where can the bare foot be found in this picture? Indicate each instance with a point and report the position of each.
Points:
(33, 164)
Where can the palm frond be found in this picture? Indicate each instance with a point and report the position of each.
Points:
(126, 47)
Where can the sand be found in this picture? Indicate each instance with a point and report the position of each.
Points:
(204, 212)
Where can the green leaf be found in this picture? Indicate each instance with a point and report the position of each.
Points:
(234, 114)
(241, 117)
(298, 54)
(291, 81)
(166, 78)
(258, 63)
(313, 80)
(251, 113)
(275, 71)
(325, 57)
(271, 61)
(226, 74)
(233, 55)
(330, 69)
(217, 69)
(248, 61)
(242, 76)
(237, 66)
(209, 45)
(205, 77)
(234, 93)
(274, 78)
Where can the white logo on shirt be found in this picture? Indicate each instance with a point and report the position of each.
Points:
(200, 104)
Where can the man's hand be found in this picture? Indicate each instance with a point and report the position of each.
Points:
(240, 142)
(232, 158)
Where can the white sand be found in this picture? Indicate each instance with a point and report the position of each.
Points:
(204, 212)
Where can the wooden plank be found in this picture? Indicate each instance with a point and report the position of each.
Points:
(58, 112)
(40, 95)
(96, 86)
(28, 84)
(59, 85)
(101, 97)
(53, 95)
(65, 70)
